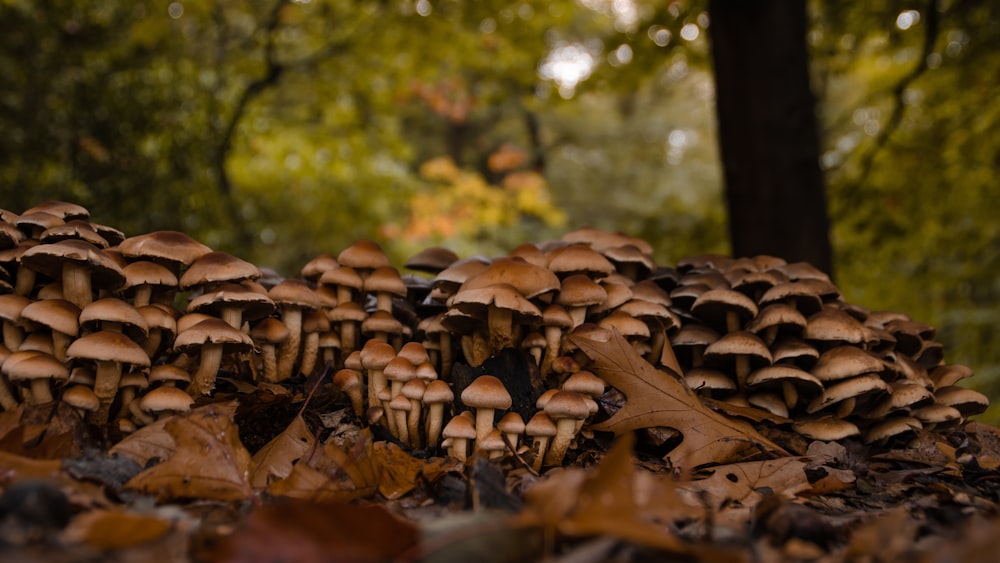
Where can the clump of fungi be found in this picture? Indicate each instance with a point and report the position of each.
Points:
(130, 329)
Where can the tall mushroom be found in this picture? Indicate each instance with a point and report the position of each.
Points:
(210, 338)
(79, 265)
(291, 297)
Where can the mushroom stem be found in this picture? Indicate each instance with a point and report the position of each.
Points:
(435, 418)
(41, 394)
(106, 381)
(269, 358)
(484, 424)
(446, 354)
(310, 352)
(60, 341)
(7, 399)
(540, 445)
(76, 284)
(203, 381)
(742, 370)
(732, 321)
(500, 322)
(561, 441)
(143, 293)
(152, 343)
(553, 340)
(402, 429)
(13, 336)
(288, 351)
(413, 423)
(233, 316)
(24, 284)
(348, 336)
(790, 394)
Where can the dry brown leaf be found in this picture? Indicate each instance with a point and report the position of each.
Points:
(307, 483)
(209, 461)
(154, 442)
(656, 398)
(13, 466)
(275, 460)
(606, 504)
(115, 529)
(745, 484)
(398, 471)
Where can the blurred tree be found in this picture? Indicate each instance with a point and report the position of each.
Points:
(768, 131)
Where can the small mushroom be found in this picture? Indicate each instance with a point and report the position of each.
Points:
(486, 394)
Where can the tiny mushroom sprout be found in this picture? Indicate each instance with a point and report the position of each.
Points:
(81, 398)
(459, 430)
(486, 394)
(109, 351)
(211, 338)
(565, 408)
(541, 429)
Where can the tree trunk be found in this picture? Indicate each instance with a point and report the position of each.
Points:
(768, 130)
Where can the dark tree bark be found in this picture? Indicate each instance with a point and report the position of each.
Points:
(768, 130)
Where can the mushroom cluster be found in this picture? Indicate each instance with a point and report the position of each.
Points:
(130, 329)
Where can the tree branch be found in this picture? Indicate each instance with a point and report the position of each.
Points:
(931, 30)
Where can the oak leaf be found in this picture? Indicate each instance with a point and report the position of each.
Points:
(275, 460)
(209, 461)
(657, 398)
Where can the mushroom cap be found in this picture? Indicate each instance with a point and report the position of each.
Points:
(134, 379)
(294, 293)
(846, 361)
(630, 254)
(315, 321)
(891, 427)
(108, 346)
(556, 315)
(779, 315)
(269, 330)
(579, 290)
(714, 305)
(710, 380)
(476, 302)
(460, 427)
(627, 325)
(540, 425)
(511, 423)
(318, 265)
(618, 294)
(777, 374)
(212, 331)
(363, 255)
(254, 305)
(414, 389)
(400, 403)
(168, 372)
(904, 396)
(29, 364)
(385, 279)
(70, 230)
(599, 239)
(578, 258)
(172, 247)
(376, 354)
(166, 399)
(738, 343)
(694, 334)
(949, 374)
(432, 260)
(48, 259)
(869, 386)
(147, 272)
(832, 324)
(56, 314)
(584, 383)
(529, 280)
(826, 428)
(37, 220)
(794, 350)
(63, 209)
(81, 397)
(438, 391)
(346, 379)
(803, 271)
(486, 391)
(968, 401)
(937, 414)
(381, 321)
(400, 369)
(342, 276)
(451, 278)
(112, 309)
(567, 404)
(807, 297)
(414, 352)
(771, 402)
(530, 253)
(218, 267)
(159, 316)
(350, 311)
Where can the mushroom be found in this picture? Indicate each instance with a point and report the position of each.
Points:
(217, 268)
(211, 338)
(344, 280)
(109, 351)
(38, 370)
(493, 445)
(724, 309)
(162, 327)
(578, 292)
(414, 390)
(459, 430)
(541, 429)
(61, 317)
(233, 303)
(314, 325)
(399, 408)
(437, 394)
(384, 283)
(291, 298)
(743, 349)
(512, 425)
(144, 277)
(349, 382)
(81, 398)
(364, 256)
(11, 308)
(114, 315)
(826, 428)
(502, 306)
(486, 394)
(314, 269)
(78, 265)
(347, 315)
(173, 249)
(165, 401)
(565, 408)
(375, 355)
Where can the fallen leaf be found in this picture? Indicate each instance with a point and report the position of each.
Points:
(397, 470)
(115, 529)
(656, 398)
(275, 460)
(209, 461)
(332, 473)
(606, 504)
(308, 532)
(154, 442)
(13, 466)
